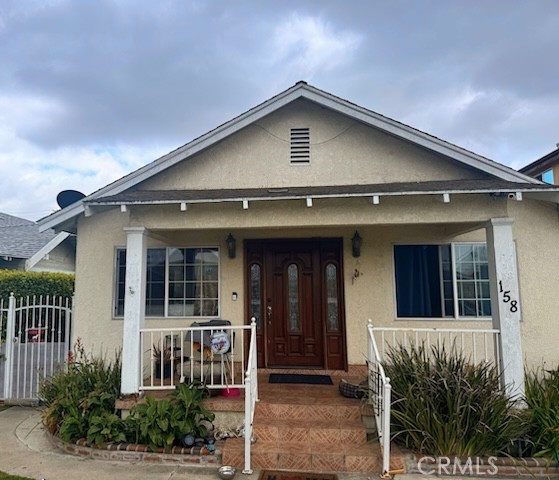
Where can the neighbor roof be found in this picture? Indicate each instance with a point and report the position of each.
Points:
(65, 218)
(20, 238)
(542, 164)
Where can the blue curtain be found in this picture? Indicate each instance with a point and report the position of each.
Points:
(418, 282)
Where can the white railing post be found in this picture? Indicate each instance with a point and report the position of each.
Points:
(251, 394)
(10, 338)
(386, 401)
(380, 396)
(248, 422)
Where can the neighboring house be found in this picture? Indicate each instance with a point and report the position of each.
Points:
(545, 168)
(24, 247)
(314, 215)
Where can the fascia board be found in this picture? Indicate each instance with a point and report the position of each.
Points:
(47, 248)
(547, 193)
(61, 216)
(415, 136)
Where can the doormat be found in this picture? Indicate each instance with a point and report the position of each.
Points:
(279, 475)
(302, 379)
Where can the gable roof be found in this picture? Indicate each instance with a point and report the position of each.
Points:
(542, 164)
(301, 89)
(20, 238)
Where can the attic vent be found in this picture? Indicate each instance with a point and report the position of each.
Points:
(300, 146)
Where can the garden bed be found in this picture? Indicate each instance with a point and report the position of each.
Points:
(130, 452)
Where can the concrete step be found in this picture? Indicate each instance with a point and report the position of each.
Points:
(306, 456)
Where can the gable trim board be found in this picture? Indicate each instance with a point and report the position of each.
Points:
(301, 89)
(45, 250)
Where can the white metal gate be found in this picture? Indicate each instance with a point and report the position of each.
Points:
(35, 333)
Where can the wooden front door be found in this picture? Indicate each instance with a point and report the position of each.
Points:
(295, 292)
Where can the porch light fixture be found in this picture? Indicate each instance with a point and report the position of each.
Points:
(356, 242)
(231, 246)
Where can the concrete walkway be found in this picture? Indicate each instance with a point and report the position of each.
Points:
(25, 449)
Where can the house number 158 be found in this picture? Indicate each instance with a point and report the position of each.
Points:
(507, 298)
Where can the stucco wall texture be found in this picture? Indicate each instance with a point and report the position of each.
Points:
(342, 152)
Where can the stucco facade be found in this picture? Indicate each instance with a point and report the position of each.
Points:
(344, 150)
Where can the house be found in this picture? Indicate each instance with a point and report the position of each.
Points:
(24, 247)
(545, 168)
(313, 215)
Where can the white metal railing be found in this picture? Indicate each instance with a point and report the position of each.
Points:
(251, 394)
(478, 345)
(36, 331)
(380, 392)
(195, 354)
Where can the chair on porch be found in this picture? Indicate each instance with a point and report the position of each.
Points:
(204, 346)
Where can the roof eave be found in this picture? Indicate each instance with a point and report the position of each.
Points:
(548, 193)
(299, 90)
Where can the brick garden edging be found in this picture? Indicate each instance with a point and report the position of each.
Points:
(130, 452)
(505, 466)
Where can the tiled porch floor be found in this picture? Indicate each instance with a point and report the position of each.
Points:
(307, 427)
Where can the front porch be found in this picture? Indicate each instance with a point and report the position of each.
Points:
(159, 358)
(307, 427)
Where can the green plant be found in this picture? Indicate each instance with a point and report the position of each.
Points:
(161, 354)
(163, 423)
(196, 418)
(542, 400)
(163, 365)
(24, 284)
(155, 423)
(86, 390)
(106, 428)
(6, 476)
(444, 405)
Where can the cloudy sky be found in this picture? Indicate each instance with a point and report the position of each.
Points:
(93, 89)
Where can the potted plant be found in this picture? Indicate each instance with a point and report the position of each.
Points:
(162, 355)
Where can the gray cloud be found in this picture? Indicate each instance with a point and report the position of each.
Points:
(112, 76)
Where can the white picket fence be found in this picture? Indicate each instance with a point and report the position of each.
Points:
(35, 333)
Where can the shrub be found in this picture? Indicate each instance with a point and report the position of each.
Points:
(88, 389)
(542, 400)
(24, 284)
(80, 403)
(163, 423)
(444, 405)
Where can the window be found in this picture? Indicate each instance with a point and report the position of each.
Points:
(293, 297)
(547, 176)
(255, 292)
(300, 146)
(181, 282)
(332, 308)
(442, 281)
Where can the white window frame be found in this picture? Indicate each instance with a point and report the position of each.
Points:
(166, 301)
(453, 318)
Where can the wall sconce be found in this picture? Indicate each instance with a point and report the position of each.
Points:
(356, 242)
(231, 246)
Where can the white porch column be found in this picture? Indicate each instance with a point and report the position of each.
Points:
(134, 308)
(505, 305)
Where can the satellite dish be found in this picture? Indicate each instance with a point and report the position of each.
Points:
(67, 197)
